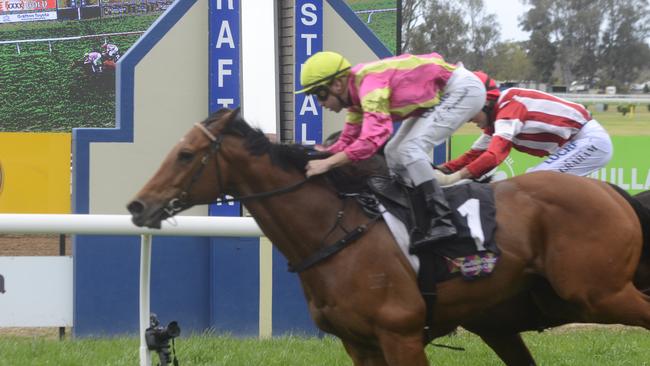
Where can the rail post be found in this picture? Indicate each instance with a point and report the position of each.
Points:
(145, 279)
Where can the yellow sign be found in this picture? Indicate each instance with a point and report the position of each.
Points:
(35, 172)
(2, 176)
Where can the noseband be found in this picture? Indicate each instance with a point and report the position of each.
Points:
(181, 202)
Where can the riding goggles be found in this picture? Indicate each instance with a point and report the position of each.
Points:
(321, 92)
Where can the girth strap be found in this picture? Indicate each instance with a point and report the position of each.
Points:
(330, 250)
(427, 285)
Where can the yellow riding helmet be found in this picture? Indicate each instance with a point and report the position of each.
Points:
(321, 68)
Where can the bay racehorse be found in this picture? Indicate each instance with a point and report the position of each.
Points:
(537, 306)
(576, 235)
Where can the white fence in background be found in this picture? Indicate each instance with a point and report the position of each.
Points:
(370, 12)
(121, 225)
(49, 41)
(605, 98)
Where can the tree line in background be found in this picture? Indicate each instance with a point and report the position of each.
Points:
(595, 42)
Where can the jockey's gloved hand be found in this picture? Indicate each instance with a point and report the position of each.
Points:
(442, 168)
(446, 179)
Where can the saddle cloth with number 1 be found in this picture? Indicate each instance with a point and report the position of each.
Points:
(474, 252)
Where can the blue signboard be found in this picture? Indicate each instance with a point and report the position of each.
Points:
(308, 127)
(288, 297)
(225, 80)
(234, 274)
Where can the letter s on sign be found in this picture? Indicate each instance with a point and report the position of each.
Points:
(309, 17)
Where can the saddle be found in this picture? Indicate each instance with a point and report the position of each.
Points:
(473, 254)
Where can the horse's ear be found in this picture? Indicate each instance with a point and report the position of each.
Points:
(236, 113)
(235, 123)
(236, 117)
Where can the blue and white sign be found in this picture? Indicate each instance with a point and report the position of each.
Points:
(309, 40)
(225, 79)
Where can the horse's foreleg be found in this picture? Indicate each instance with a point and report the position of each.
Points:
(510, 348)
(393, 350)
(364, 356)
(403, 350)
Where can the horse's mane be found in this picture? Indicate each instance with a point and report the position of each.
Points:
(295, 156)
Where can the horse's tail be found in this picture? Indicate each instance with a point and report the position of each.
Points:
(641, 204)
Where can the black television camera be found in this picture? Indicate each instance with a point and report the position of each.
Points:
(158, 337)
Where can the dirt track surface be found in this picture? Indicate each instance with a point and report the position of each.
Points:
(32, 245)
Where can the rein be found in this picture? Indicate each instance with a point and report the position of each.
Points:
(263, 194)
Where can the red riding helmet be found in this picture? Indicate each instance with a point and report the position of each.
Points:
(493, 92)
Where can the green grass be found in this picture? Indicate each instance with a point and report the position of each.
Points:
(371, 4)
(564, 346)
(637, 124)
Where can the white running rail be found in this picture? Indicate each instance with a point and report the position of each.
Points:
(121, 225)
(49, 41)
(370, 12)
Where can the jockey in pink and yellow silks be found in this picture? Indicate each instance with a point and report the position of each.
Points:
(433, 98)
(387, 90)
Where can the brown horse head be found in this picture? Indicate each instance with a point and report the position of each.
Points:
(188, 176)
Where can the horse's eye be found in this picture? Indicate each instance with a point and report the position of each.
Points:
(185, 156)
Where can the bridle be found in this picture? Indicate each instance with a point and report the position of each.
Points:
(181, 202)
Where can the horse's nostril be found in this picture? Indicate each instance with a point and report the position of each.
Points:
(135, 207)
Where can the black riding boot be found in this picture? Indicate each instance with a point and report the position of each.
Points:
(440, 227)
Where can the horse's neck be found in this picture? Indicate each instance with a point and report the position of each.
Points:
(297, 222)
